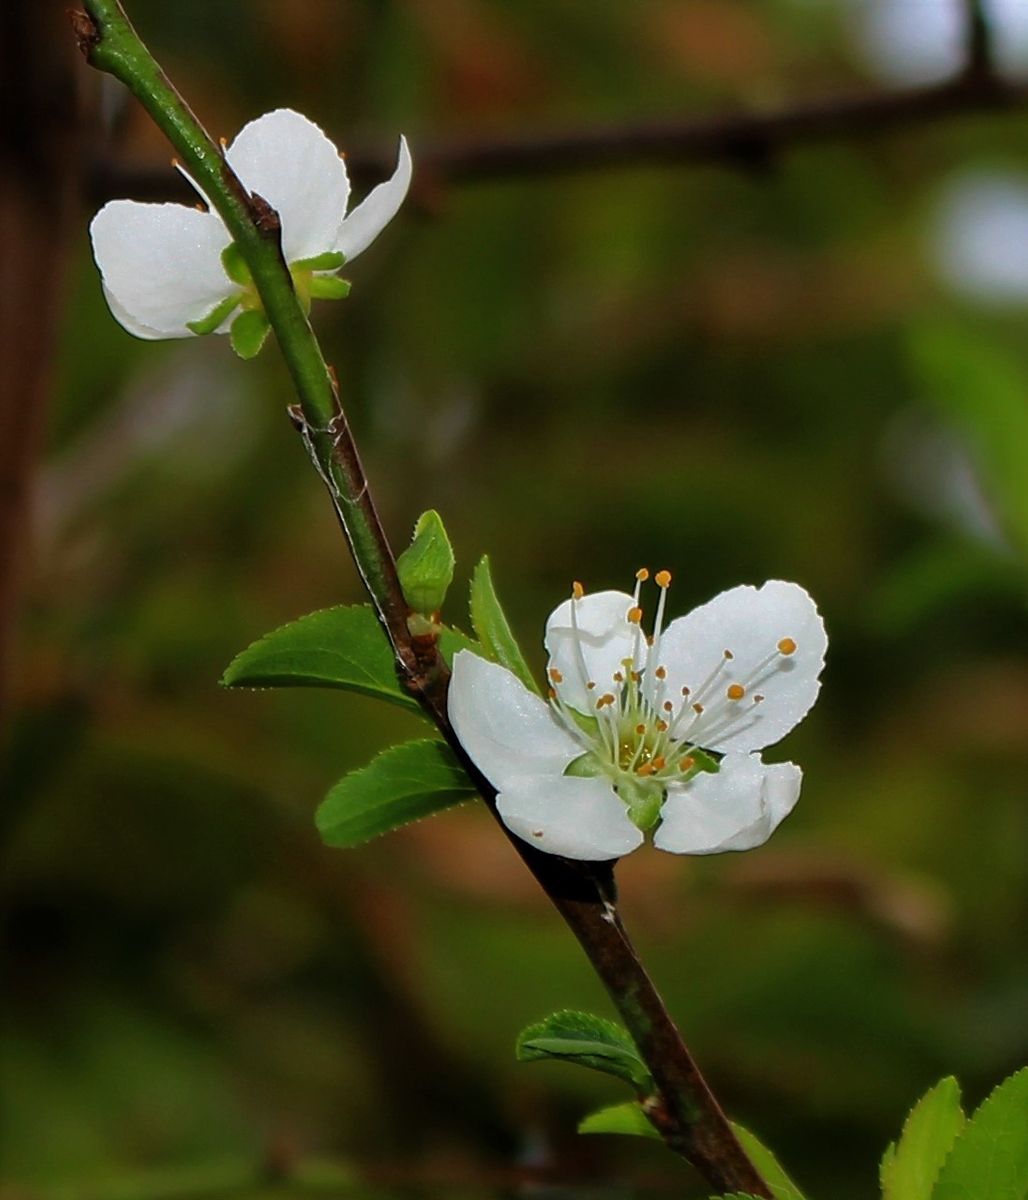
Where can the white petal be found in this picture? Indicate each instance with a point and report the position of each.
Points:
(749, 622)
(736, 809)
(376, 210)
(577, 818)
(161, 264)
(289, 162)
(506, 729)
(605, 638)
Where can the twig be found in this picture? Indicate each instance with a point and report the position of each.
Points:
(743, 140)
(684, 1107)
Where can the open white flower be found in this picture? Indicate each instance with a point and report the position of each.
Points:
(646, 730)
(170, 271)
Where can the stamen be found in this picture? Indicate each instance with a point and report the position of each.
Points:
(604, 700)
(687, 763)
(618, 677)
(659, 763)
(555, 675)
(729, 655)
(662, 579)
(736, 691)
(642, 574)
(787, 646)
(661, 672)
(635, 614)
(668, 706)
(590, 684)
(662, 726)
(640, 730)
(577, 590)
(697, 709)
(553, 693)
(758, 699)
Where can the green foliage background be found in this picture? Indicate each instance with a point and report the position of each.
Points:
(735, 375)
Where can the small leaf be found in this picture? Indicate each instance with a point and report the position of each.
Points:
(452, 639)
(401, 785)
(627, 1118)
(331, 260)
(910, 1166)
(342, 647)
(426, 566)
(492, 627)
(989, 1161)
(589, 1041)
(328, 287)
(214, 318)
(782, 1187)
(248, 332)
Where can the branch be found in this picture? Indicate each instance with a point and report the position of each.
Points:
(684, 1109)
(744, 140)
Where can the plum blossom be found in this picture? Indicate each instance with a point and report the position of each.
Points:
(642, 734)
(170, 271)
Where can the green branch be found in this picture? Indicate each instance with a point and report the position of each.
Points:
(684, 1108)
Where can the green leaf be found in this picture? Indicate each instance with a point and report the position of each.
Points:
(989, 1161)
(342, 647)
(452, 639)
(426, 566)
(328, 287)
(492, 627)
(627, 1118)
(782, 1187)
(910, 1166)
(401, 785)
(589, 1041)
(214, 318)
(248, 332)
(331, 260)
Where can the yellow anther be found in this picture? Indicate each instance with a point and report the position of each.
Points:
(668, 706)
(577, 590)
(661, 672)
(685, 691)
(555, 675)
(736, 691)
(758, 699)
(604, 700)
(642, 574)
(645, 769)
(697, 708)
(662, 579)
(553, 693)
(729, 654)
(786, 646)
(635, 615)
(662, 726)
(636, 676)
(659, 763)
(591, 684)
(618, 677)
(687, 763)
(640, 730)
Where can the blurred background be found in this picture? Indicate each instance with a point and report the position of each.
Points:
(803, 358)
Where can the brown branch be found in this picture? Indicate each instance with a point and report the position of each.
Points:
(742, 140)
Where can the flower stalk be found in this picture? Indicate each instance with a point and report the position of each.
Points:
(682, 1106)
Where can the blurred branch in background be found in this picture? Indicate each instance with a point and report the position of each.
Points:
(749, 141)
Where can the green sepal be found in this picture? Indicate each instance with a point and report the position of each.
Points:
(588, 1041)
(214, 318)
(342, 647)
(990, 1158)
(910, 1166)
(331, 260)
(586, 766)
(493, 630)
(426, 566)
(643, 798)
(248, 332)
(328, 287)
(627, 1118)
(403, 784)
(782, 1187)
(235, 265)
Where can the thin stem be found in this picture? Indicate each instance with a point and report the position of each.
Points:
(110, 44)
(683, 1108)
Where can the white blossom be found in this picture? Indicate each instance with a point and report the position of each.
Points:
(170, 271)
(642, 734)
